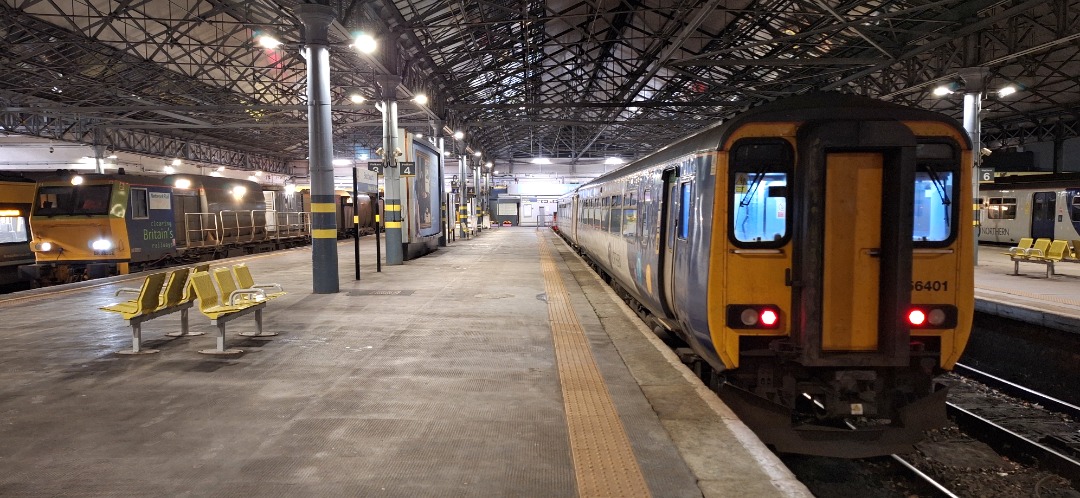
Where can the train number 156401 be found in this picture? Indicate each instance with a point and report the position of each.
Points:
(929, 285)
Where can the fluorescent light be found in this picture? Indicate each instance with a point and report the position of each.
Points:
(176, 162)
(342, 162)
(488, 164)
(356, 98)
(458, 135)
(420, 99)
(365, 43)
(541, 160)
(477, 153)
(942, 90)
(170, 170)
(614, 160)
(1006, 91)
(267, 41)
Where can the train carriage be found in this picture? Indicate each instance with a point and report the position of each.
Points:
(16, 198)
(1037, 206)
(811, 253)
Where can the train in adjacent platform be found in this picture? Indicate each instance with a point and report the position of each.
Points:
(1036, 206)
(94, 225)
(16, 198)
(814, 257)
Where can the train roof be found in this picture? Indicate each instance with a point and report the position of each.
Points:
(1037, 180)
(212, 182)
(808, 107)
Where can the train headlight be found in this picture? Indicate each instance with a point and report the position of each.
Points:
(44, 247)
(101, 245)
(753, 316)
(931, 316)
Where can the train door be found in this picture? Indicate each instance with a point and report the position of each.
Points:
(1043, 209)
(852, 244)
(190, 229)
(669, 217)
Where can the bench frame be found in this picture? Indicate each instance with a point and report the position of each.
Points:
(225, 318)
(137, 321)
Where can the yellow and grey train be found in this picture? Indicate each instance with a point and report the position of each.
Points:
(814, 254)
(16, 198)
(95, 225)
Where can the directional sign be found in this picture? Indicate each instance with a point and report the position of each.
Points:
(408, 168)
(376, 167)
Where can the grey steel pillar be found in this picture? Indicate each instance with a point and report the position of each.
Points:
(324, 258)
(463, 192)
(477, 201)
(99, 158)
(391, 146)
(974, 86)
(444, 210)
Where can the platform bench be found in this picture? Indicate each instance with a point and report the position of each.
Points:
(240, 303)
(153, 302)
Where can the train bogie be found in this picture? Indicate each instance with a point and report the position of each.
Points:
(818, 264)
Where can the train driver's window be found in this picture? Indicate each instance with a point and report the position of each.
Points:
(759, 192)
(139, 204)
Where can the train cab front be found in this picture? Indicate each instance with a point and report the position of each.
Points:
(78, 230)
(835, 323)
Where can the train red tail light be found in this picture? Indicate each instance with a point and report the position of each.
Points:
(931, 316)
(753, 316)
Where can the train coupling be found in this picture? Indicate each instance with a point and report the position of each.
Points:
(774, 424)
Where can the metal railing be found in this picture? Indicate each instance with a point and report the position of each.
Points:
(239, 227)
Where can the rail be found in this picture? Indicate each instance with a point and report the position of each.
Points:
(291, 224)
(231, 227)
(201, 229)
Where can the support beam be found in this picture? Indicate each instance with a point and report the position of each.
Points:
(316, 19)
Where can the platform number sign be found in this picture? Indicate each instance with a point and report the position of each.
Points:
(408, 168)
(986, 175)
(376, 167)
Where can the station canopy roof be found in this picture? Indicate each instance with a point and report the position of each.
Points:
(561, 87)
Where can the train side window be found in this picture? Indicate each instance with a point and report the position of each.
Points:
(139, 204)
(1075, 205)
(629, 223)
(684, 210)
(1001, 208)
(616, 214)
(758, 192)
(12, 226)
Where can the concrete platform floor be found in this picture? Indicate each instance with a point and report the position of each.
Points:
(433, 378)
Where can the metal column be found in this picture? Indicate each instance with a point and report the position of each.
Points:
(974, 86)
(391, 146)
(463, 190)
(316, 19)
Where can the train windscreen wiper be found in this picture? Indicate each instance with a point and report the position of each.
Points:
(940, 187)
(749, 196)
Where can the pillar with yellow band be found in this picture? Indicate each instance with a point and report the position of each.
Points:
(323, 207)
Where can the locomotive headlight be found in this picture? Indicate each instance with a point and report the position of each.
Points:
(101, 245)
(936, 317)
(749, 317)
(44, 247)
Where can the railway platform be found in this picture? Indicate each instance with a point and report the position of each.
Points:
(499, 366)
(1030, 296)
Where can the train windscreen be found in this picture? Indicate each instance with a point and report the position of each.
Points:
(81, 200)
(12, 226)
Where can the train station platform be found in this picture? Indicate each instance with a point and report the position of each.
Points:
(499, 366)
(1030, 296)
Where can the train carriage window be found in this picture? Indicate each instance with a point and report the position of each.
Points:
(629, 224)
(1074, 213)
(684, 209)
(937, 177)
(759, 170)
(13, 226)
(1001, 208)
(616, 214)
(139, 204)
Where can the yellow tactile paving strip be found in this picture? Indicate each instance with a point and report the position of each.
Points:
(604, 462)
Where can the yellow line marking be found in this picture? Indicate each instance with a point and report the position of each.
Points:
(324, 233)
(323, 207)
(392, 224)
(1038, 297)
(604, 462)
(392, 207)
